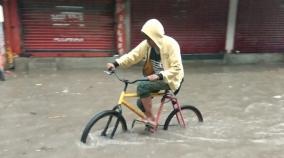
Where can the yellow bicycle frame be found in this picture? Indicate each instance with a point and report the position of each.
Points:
(122, 101)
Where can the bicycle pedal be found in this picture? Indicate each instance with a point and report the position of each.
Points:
(150, 128)
(135, 121)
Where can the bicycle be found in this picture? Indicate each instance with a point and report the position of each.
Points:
(114, 117)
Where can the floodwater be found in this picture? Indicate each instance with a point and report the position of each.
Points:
(43, 113)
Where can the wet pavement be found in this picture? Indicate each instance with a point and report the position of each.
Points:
(42, 114)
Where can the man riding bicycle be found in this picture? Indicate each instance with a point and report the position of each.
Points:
(163, 66)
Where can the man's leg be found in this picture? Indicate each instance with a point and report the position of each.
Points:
(2, 75)
(147, 103)
(2, 72)
(144, 90)
(140, 105)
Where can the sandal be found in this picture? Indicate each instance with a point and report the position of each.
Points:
(150, 126)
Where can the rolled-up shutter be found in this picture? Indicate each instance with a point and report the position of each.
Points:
(260, 26)
(198, 25)
(67, 27)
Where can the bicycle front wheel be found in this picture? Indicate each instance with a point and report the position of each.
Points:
(188, 115)
(106, 123)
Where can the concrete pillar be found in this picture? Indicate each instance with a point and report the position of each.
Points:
(2, 39)
(231, 25)
(120, 30)
(128, 25)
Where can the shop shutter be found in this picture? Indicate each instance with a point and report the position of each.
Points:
(198, 25)
(260, 26)
(67, 27)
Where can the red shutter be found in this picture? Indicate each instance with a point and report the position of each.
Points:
(260, 26)
(68, 27)
(198, 25)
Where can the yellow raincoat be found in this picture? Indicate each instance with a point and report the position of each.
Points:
(173, 72)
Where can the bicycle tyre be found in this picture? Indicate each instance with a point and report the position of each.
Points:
(103, 115)
(184, 107)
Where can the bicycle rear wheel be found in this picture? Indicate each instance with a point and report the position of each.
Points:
(188, 115)
(106, 123)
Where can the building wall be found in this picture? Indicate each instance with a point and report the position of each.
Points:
(242, 26)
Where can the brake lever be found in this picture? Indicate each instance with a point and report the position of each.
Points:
(109, 72)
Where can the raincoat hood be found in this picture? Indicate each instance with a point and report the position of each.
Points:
(155, 30)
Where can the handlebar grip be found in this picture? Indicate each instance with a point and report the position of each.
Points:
(109, 72)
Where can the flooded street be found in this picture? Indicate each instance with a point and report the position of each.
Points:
(43, 113)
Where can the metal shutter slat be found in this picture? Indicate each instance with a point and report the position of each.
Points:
(260, 26)
(66, 25)
(199, 26)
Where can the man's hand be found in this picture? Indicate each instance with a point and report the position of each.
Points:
(110, 66)
(153, 77)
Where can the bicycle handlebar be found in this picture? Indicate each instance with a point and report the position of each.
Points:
(110, 72)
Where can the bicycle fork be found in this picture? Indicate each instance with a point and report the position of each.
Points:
(109, 121)
(179, 115)
(176, 106)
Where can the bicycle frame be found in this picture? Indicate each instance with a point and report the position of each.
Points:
(123, 101)
(165, 98)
